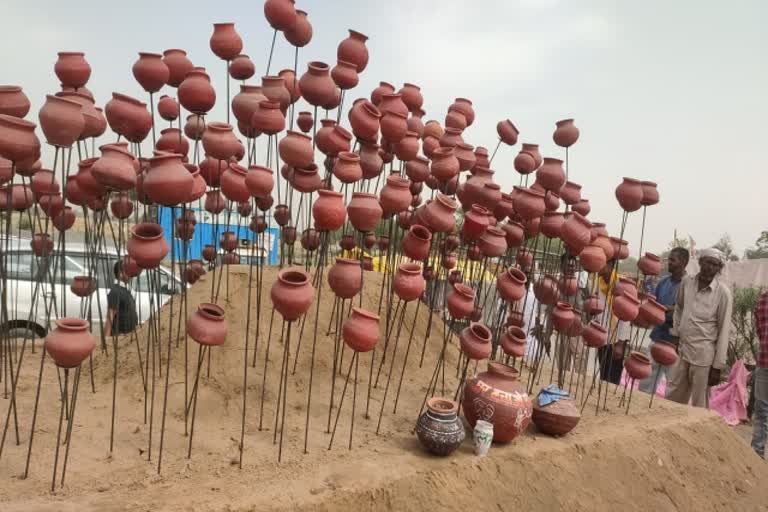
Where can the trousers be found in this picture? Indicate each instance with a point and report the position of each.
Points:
(689, 383)
(760, 412)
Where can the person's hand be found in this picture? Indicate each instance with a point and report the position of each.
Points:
(714, 376)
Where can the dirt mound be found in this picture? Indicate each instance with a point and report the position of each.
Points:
(666, 458)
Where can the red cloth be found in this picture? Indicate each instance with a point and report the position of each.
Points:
(761, 316)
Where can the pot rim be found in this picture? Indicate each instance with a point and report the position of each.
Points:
(463, 289)
(518, 336)
(419, 230)
(365, 313)
(503, 370)
(318, 66)
(22, 123)
(410, 268)
(481, 332)
(293, 276)
(639, 356)
(72, 324)
(142, 231)
(211, 311)
(442, 405)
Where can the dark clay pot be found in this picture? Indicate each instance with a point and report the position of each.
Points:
(556, 418)
(439, 428)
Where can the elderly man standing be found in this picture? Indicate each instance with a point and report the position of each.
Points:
(701, 324)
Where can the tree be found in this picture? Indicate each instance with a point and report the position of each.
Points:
(761, 249)
(725, 245)
(743, 344)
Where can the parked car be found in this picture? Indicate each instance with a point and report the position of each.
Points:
(25, 273)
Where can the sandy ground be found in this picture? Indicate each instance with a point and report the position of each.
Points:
(666, 458)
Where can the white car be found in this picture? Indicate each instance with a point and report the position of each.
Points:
(25, 273)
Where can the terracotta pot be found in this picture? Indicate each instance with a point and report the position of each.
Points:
(306, 180)
(282, 215)
(209, 253)
(94, 121)
(334, 101)
(258, 224)
(228, 241)
(115, 169)
(338, 140)
(620, 248)
(511, 284)
(504, 208)
(551, 175)
(347, 242)
(626, 307)
(13, 101)
(242, 67)
(225, 42)
(82, 286)
(439, 428)
(364, 211)
(451, 138)
(208, 325)
(151, 72)
(121, 206)
(344, 74)
(562, 316)
(407, 148)
(638, 366)
(233, 183)
(625, 284)
(300, 33)
(51, 204)
(525, 163)
(41, 244)
(305, 121)
(629, 193)
(214, 202)
(545, 289)
(417, 170)
(592, 305)
(246, 102)
(507, 132)
(268, 118)
(264, 203)
(415, 124)
(664, 353)
(394, 126)
(194, 128)
(440, 214)
(70, 343)
(514, 233)
(361, 330)
(604, 243)
(347, 167)
(72, 69)
(650, 264)
(178, 66)
(378, 93)
(528, 203)
(168, 182)
(650, 193)
(651, 312)
(566, 134)
(292, 293)
(594, 335)
(493, 243)
(556, 418)
(552, 224)
(444, 164)
(219, 141)
(44, 182)
(316, 84)
(281, 14)
(475, 223)
(408, 282)
(496, 396)
(475, 341)
(576, 231)
(196, 94)
(514, 341)
(64, 220)
(455, 119)
(172, 141)
(61, 121)
(460, 301)
(582, 207)
(20, 197)
(395, 196)
(352, 49)
(592, 258)
(524, 258)
(328, 210)
(429, 145)
(168, 108)
(259, 181)
(275, 89)
(147, 245)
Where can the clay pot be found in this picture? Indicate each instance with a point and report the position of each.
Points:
(305, 121)
(259, 181)
(650, 193)
(664, 353)
(51, 204)
(556, 418)
(439, 428)
(493, 242)
(497, 397)
(511, 284)
(429, 145)
(620, 248)
(514, 233)
(300, 33)
(225, 42)
(121, 206)
(219, 141)
(171, 141)
(408, 282)
(352, 49)
(507, 132)
(344, 74)
(364, 211)
(407, 148)
(524, 258)
(562, 316)
(444, 164)
(625, 284)
(228, 241)
(44, 182)
(551, 175)
(451, 138)
(475, 341)
(20, 197)
(61, 120)
(395, 196)
(196, 93)
(651, 312)
(594, 335)
(328, 210)
(246, 102)
(72, 69)
(338, 140)
(638, 366)
(178, 66)
(629, 193)
(167, 181)
(282, 215)
(464, 106)
(514, 341)
(214, 202)
(378, 93)
(194, 128)
(504, 208)
(475, 223)
(455, 119)
(306, 180)
(525, 163)
(274, 88)
(316, 84)
(440, 214)
(361, 330)
(545, 289)
(334, 102)
(566, 134)
(147, 245)
(552, 224)
(417, 170)
(41, 244)
(529, 203)
(70, 343)
(209, 253)
(347, 242)
(82, 286)
(233, 183)
(168, 108)
(207, 325)
(13, 101)
(576, 231)
(114, 170)
(412, 97)
(347, 167)
(268, 118)
(626, 307)
(394, 126)
(242, 67)
(292, 293)
(604, 243)
(365, 119)
(258, 224)
(151, 72)
(460, 301)
(281, 14)
(582, 207)
(64, 220)
(592, 258)
(592, 305)
(649, 264)
(264, 203)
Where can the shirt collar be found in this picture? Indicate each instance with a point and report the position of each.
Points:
(713, 285)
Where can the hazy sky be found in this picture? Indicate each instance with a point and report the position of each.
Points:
(673, 92)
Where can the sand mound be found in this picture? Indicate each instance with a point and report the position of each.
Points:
(667, 458)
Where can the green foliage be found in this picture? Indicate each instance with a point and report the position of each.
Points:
(725, 245)
(743, 343)
(761, 248)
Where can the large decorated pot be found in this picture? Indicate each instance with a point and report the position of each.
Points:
(439, 428)
(497, 397)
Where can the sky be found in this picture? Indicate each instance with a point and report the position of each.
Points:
(672, 92)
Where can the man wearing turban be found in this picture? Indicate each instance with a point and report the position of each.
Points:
(701, 326)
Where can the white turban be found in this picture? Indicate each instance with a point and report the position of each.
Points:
(713, 253)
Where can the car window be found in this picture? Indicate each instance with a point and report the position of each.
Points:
(22, 266)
